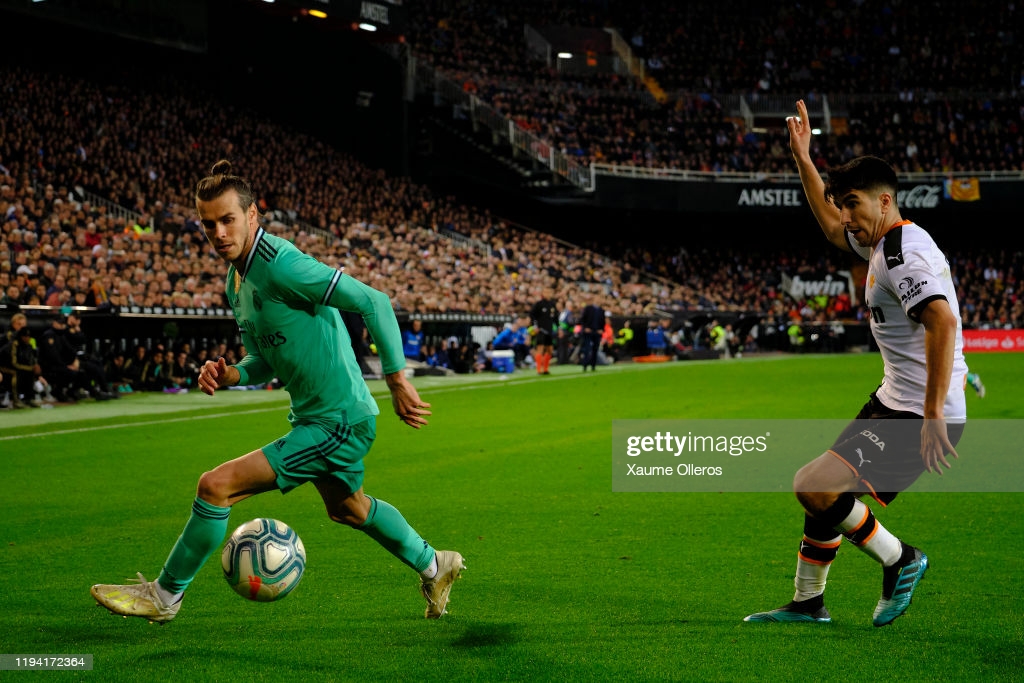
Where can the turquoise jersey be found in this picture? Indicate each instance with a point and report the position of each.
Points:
(286, 304)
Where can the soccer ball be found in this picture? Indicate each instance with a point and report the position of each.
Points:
(263, 560)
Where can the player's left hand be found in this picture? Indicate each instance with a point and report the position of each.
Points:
(409, 407)
(799, 132)
(935, 445)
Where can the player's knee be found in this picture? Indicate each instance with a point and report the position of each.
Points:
(816, 502)
(809, 501)
(348, 515)
(211, 488)
(348, 519)
(808, 490)
(802, 481)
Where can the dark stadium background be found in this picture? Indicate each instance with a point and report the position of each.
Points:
(312, 73)
(340, 85)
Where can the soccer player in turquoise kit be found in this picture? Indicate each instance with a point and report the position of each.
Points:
(286, 304)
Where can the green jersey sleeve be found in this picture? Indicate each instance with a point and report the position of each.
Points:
(321, 284)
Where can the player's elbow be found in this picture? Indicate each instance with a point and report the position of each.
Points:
(379, 299)
(938, 318)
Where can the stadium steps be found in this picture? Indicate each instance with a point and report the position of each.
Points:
(530, 173)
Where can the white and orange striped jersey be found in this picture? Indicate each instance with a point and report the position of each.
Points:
(906, 270)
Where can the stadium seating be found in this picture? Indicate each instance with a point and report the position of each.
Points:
(102, 216)
(943, 63)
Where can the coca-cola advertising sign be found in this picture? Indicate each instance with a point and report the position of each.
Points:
(993, 340)
(920, 196)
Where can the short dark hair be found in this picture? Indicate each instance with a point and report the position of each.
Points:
(220, 181)
(862, 173)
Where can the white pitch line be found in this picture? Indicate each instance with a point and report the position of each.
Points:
(426, 390)
(121, 425)
(136, 424)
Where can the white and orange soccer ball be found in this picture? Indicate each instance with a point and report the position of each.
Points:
(263, 560)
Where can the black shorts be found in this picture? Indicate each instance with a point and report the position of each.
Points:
(882, 447)
(543, 338)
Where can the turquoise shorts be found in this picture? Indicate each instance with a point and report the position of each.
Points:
(319, 451)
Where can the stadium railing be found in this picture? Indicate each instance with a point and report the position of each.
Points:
(427, 79)
(431, 80)
(625, 171)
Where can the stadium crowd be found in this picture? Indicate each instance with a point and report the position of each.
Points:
(432, 253)
(940, 70)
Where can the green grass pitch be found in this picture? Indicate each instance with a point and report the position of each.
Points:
(566, 579)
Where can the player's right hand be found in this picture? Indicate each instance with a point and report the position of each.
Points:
(211, 377)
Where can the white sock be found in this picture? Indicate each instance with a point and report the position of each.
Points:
(166, 596)
(431, 571)
(865, 532)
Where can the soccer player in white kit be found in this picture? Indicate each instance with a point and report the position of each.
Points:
(915, 417)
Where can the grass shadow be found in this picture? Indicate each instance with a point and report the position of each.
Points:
(487, 635)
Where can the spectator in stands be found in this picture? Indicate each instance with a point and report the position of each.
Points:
(438, 356)
(155, 374)
(134, 365)
(505, 340)
(19, 365)
(182, 372)
(398, 233)
(656, 341)
(797, 336)
(482, 357)
(462, 359)
(11, 296)
(413, 340)
(89, 361)
(719, 337)
(623, 340)
(60, 363)
(116, 369)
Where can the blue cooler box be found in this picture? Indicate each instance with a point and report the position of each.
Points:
(503, 361)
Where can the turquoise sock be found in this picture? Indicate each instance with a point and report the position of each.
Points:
(203, 532)
(387, 526)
